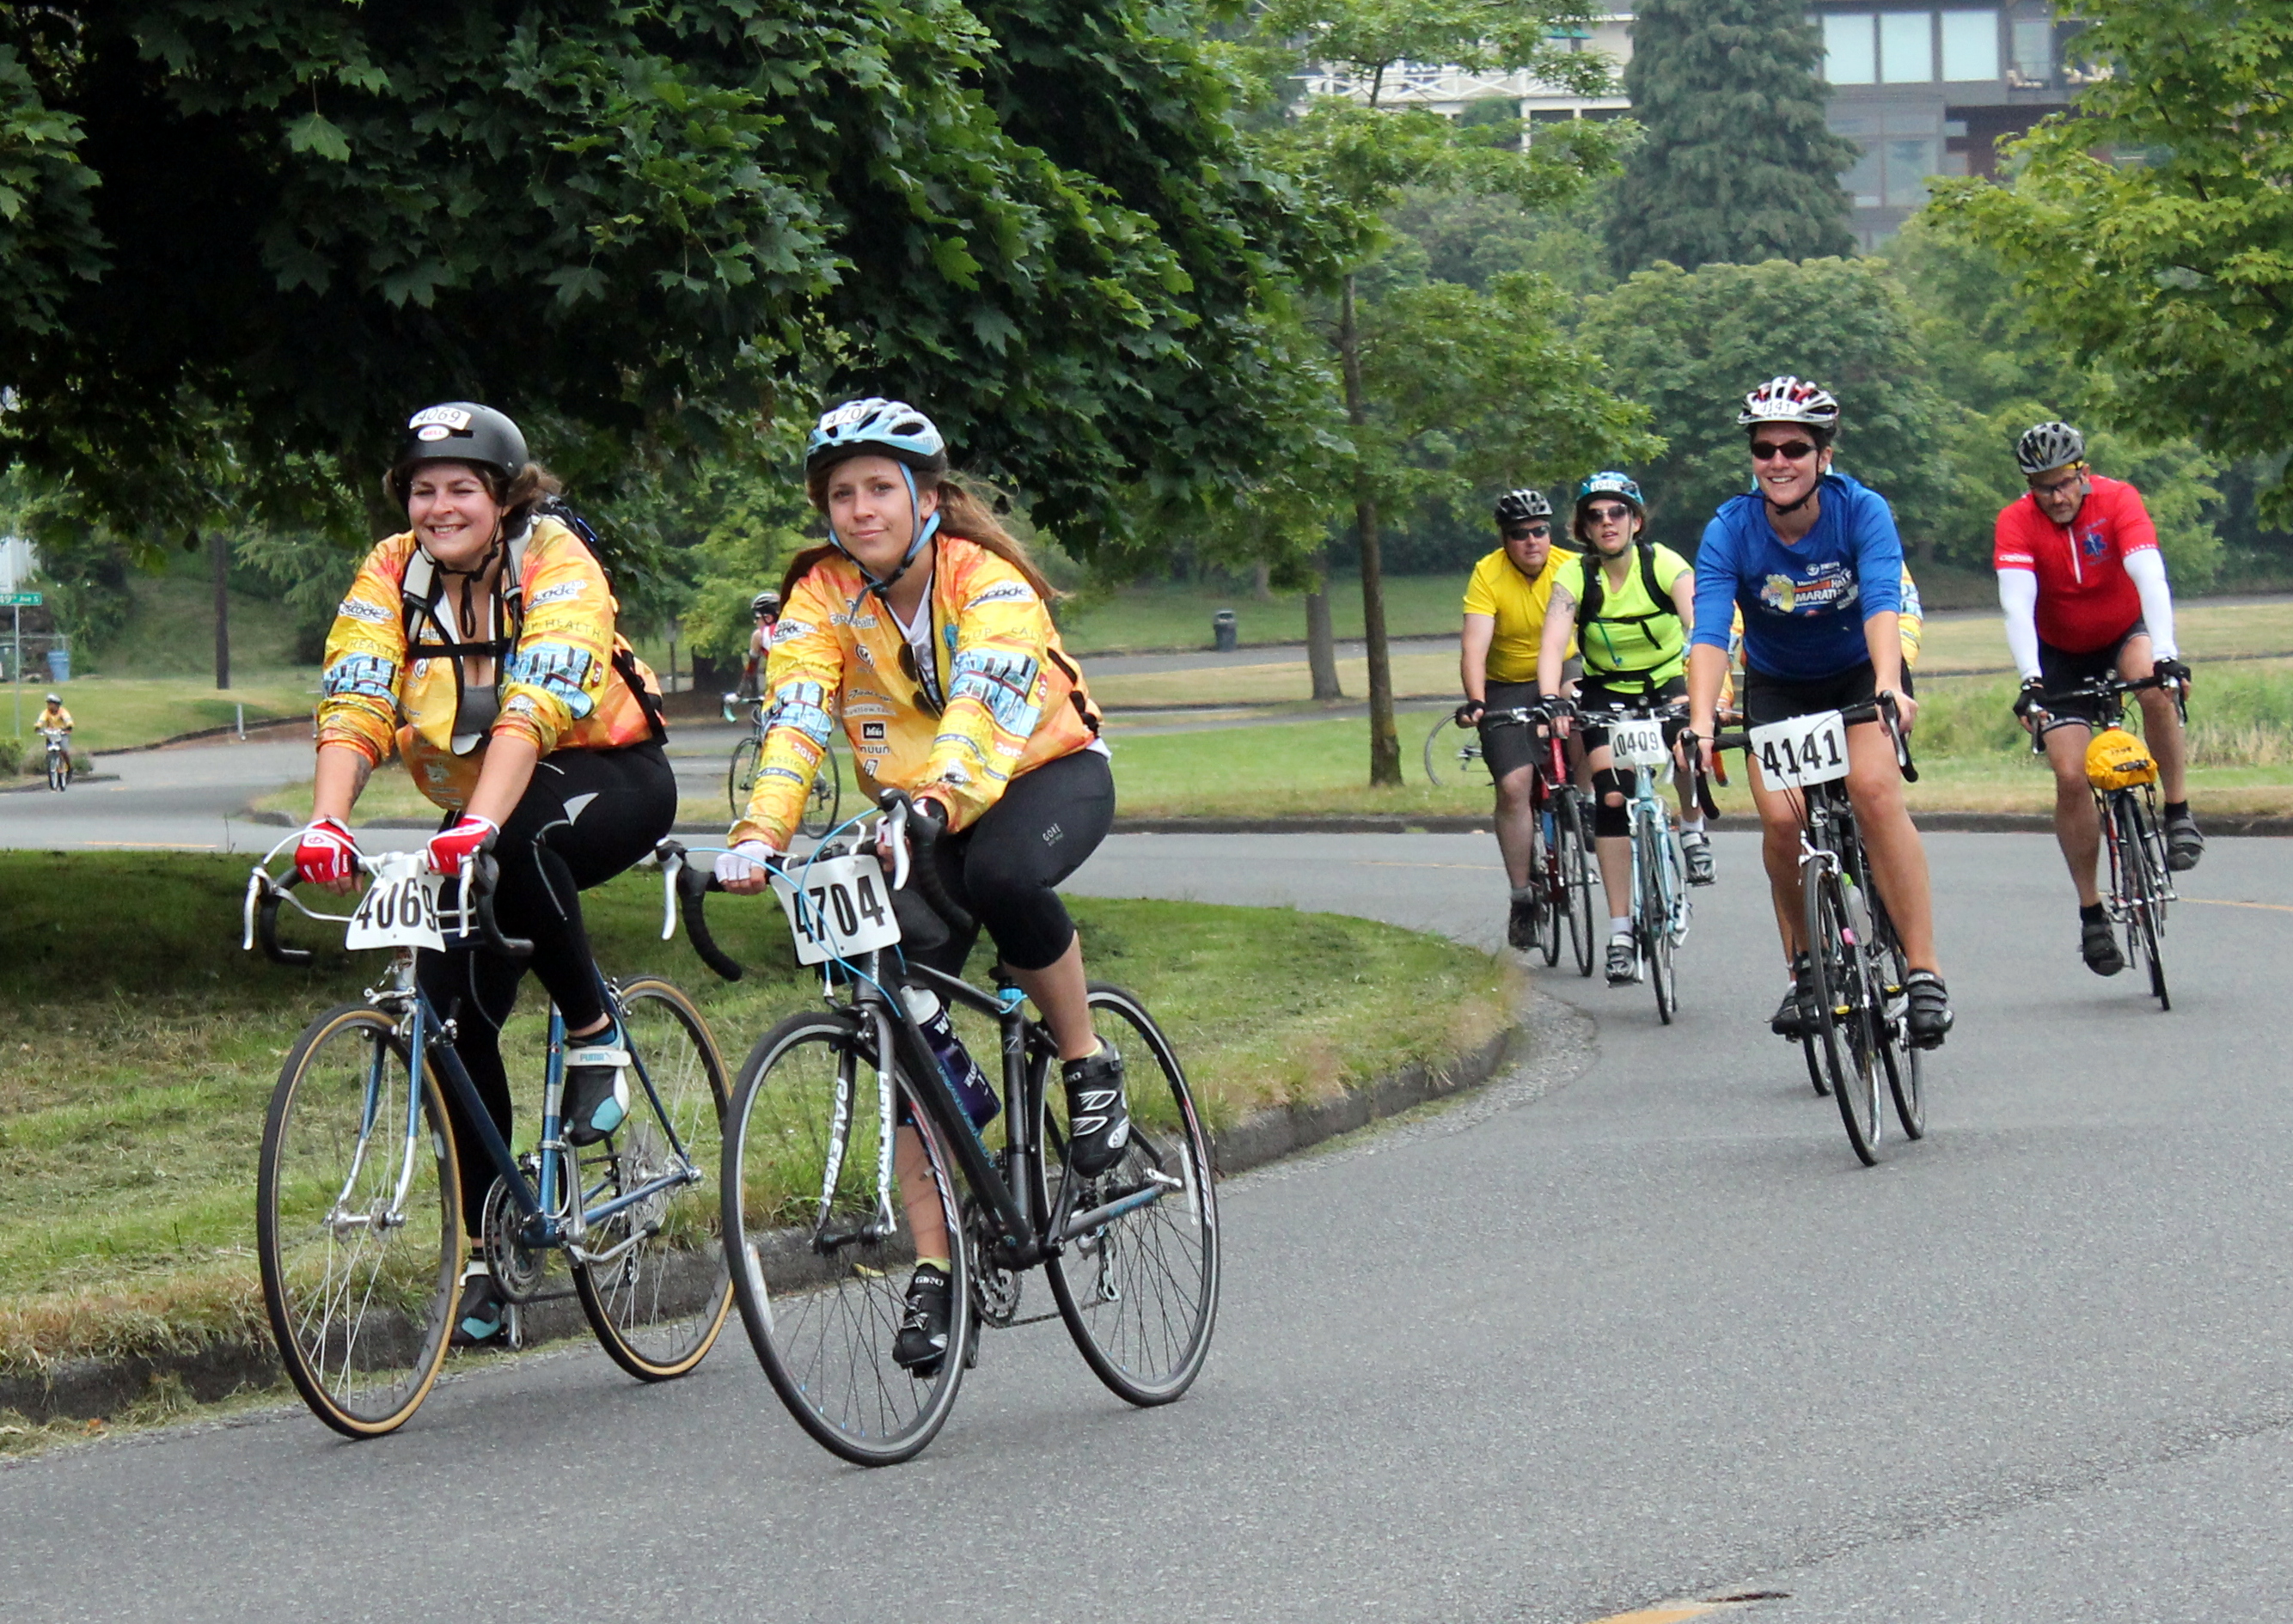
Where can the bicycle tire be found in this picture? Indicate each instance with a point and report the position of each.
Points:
(1835, 963)
(2137, 868)
(741, 776)
(1577, 874)
(658, 1307)
(821, 1316)
(825, 795)
(1905, 1062)
(1433, 750)
(1139, 1293)
(1544, 874)
(1809, 1049)
(1654, 925)
(362, 1326)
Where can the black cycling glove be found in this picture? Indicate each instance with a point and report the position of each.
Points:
(2173, 670)
(2031, 700)
(1470, 712)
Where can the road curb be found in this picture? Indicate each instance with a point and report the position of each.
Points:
(85, 1389)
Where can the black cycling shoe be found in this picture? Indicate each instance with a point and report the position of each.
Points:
(2099, 945)
(1099, 1122)
(922, 1342)
(1697, 846)
(1930, 1012)
(2183, 843)
(1623, 961)
(1796, 1017)
(481, 1318)
(596, 1086)
(1520, 924)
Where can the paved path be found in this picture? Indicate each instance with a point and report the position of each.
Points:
(1629, 1326)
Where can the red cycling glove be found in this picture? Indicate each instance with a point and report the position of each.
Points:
(327, 854)
(450, 849)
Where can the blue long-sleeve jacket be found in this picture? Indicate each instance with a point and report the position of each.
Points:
(1805, 603)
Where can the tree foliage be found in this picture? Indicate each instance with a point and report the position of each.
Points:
(2151, 228)
(1738, 165)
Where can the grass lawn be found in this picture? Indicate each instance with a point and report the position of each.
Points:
(113, 712)
(1167, 616)
(143, 1046)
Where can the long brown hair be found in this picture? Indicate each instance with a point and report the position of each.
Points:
(962, 513)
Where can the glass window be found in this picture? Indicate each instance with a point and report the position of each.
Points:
(1906, 47)
(1970, 45)
(1850, 56)
(1862, 180)
(1910, 162)
(2034, 50)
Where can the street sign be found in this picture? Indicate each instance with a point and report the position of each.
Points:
(20, 600)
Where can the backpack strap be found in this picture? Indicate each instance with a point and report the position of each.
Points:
(1594, 594)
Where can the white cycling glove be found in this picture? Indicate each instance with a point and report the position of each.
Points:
(744, 862)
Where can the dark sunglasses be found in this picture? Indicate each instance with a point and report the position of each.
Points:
(921, 699)
(1765, 450)
(1606, 513)
(1527, 532)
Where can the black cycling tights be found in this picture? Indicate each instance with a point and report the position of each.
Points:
(1001, 869)
(586, 816)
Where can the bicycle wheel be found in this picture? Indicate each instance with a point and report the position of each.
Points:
(2144, 893)
(358, 1224)
(821, 1283)
(821, 801)
(1811, 1049)
(1653, 924)
(1835, 938)
(1574, 848)
(1906, 1065)
(1452, 756)
(743, 774)
(1544, 874)
(1140, 1291)
(658, 1292)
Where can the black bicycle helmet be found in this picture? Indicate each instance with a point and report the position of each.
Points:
(1521, 507)
(459, 432)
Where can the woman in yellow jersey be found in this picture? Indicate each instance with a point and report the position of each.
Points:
(1630, 605)
(479, 644)
(924, 627)
(1496, 662)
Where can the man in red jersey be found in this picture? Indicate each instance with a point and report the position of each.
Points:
(2083, 588)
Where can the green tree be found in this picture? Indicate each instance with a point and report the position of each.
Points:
(1738, 165)
(1690, 344)
(2150, 228)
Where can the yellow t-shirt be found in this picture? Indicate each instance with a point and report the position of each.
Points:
(1499, 590)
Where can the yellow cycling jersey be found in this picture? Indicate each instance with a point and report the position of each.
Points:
(1499, 590)
(565, 679)
(52, 720)
(1002, 697)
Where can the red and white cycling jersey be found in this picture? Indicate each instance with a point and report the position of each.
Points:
(2085, 599)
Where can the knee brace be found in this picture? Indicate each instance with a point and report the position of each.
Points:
(1611, 823)
(1615, 781)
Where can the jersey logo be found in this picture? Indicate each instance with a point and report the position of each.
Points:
(871, 729)
(357, 609)
(2093, 543)
(557, 593)
(558, 669)
(1833, 587)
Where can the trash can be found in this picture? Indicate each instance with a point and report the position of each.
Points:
(60, 666)
(1221, 631)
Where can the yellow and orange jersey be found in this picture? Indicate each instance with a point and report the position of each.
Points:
(566, 680)
(1001, 696)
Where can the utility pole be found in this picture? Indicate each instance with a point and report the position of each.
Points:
(221, 550)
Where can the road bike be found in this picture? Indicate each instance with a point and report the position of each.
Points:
(817, 1214)
(59, 753)
(1856, 960)
(1456, 761)
(2124, 778)
(359, 1211)
(821, 801)
(1659, 883)
(1561, 857)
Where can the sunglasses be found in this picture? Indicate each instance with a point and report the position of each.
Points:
(1527, 532)
(921, 699)
(1766, 451)
(1605, 513)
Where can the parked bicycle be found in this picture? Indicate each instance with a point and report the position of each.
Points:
(2124, 778)
(58, 742)
(358, 1221)
(816, 1208)
(820, 807)
(1660, 875)
(1857, 962)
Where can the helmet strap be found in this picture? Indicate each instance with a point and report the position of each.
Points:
(924, 529)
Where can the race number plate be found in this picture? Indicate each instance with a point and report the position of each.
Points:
(837, 908)
(1638, 744)
(400, 909)
(1802, 751)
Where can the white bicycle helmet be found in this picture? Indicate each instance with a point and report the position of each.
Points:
(1790, 400)
(2048, 445)
(876, 427)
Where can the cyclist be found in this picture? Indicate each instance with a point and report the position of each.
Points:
(765, 606)
(479, 644)
(1629, 606)
(2083, 587)
(1505, 604)
(53, 717)
(1812, 559)
(925, 627)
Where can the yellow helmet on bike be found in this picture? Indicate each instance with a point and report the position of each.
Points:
(2117, 760)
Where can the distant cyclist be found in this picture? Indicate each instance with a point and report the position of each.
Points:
(1629, 605)
(53, 717)
(1813, 561)
(765, 606)
(2083, 587)
(1505, 604)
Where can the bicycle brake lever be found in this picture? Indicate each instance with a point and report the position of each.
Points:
(896, 818)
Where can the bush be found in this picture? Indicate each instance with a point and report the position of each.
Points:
(11, 755)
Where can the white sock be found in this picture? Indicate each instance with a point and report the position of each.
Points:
(1692, 825)
(1620, 925)
(1524, 893)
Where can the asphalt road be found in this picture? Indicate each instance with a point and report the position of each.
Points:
(1630, 1327)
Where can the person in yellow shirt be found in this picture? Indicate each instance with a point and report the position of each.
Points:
(55, 718)
(1505, 603)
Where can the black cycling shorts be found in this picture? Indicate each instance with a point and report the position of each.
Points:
(1773, 699)
(1596, 697)
(1506, 746)
(2060, 671)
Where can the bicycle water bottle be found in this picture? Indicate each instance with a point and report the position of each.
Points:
(972, 1091)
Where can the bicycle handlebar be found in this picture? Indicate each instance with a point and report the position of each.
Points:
(266, 921)
(479, 876)
(907, 826)
(690, 886)
(1881, 710)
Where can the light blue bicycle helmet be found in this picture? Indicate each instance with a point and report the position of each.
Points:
(1608, 482)
(877, 427)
